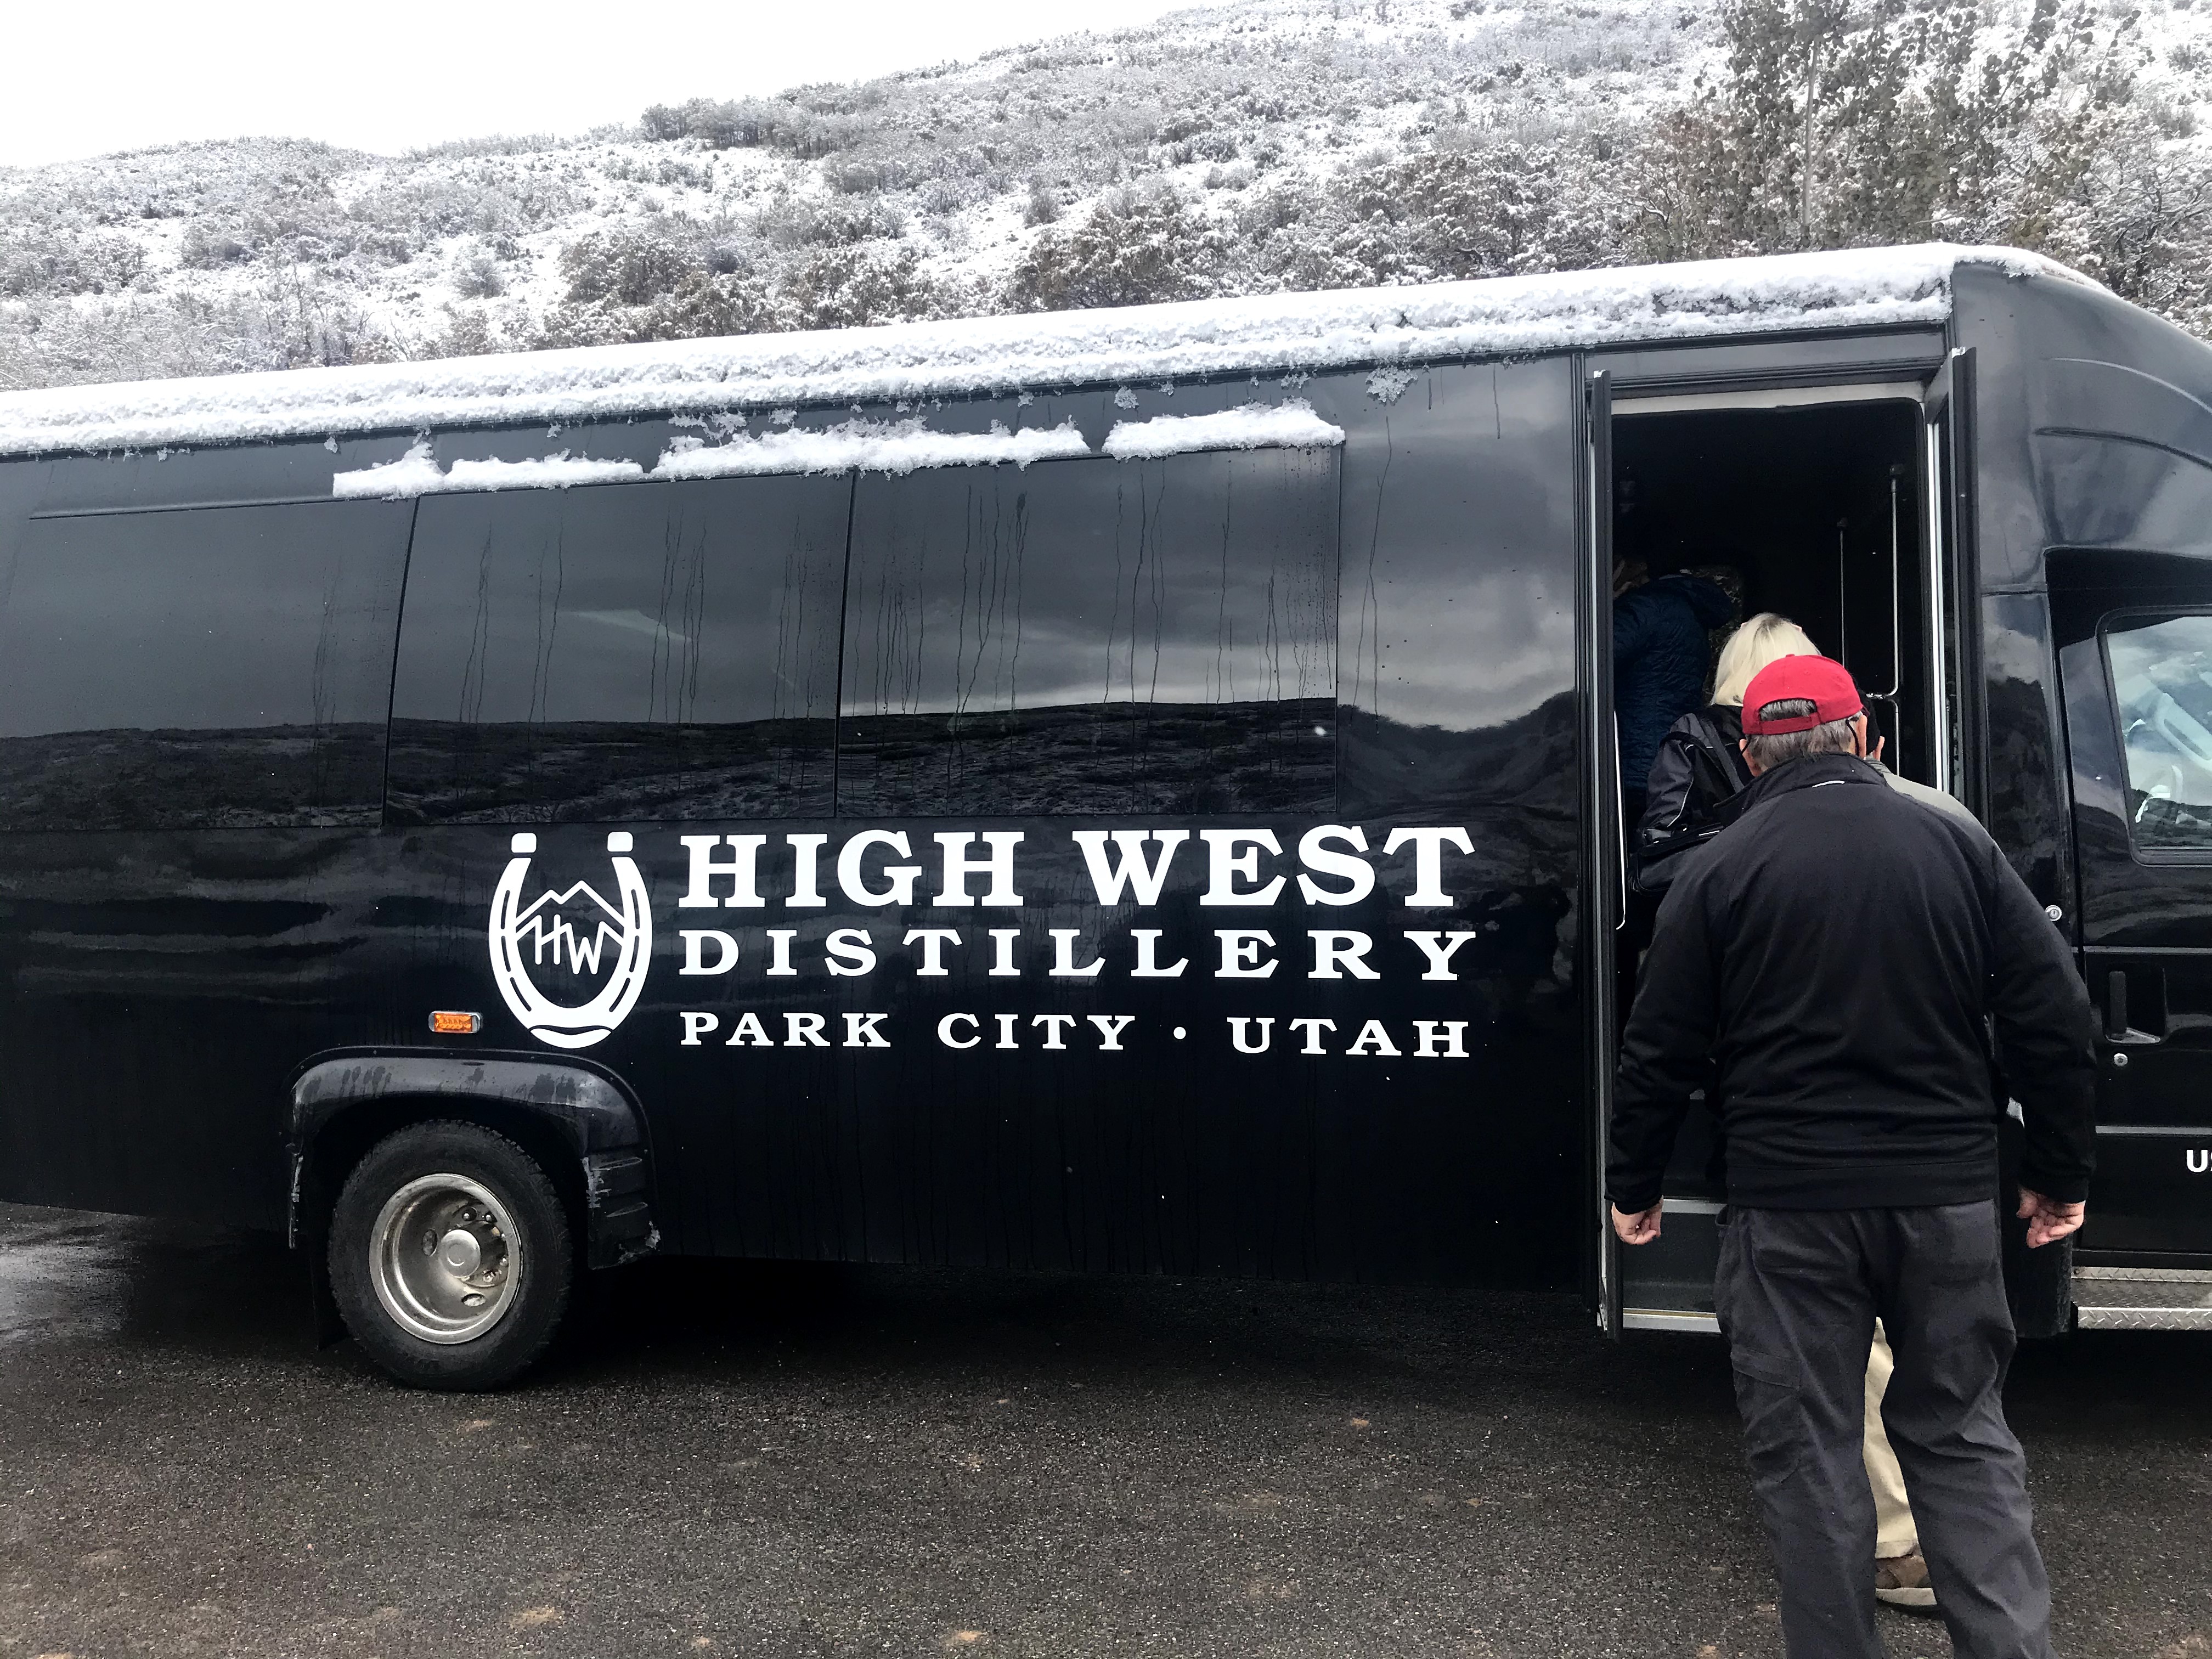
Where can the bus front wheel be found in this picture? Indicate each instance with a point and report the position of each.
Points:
(450, 1256)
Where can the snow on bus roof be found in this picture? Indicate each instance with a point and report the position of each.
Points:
(1862, 287)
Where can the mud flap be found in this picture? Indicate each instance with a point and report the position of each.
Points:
(2039, 1284)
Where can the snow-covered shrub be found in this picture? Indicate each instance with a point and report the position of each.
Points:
(805, 222)
(476, 273)
(40, 260)
(785, 123)
(867, 175)
(668, 171)
(206, 246)
(1133, 247)
(628, 266)
(836, 289)
(943, 197)
(1460, 213)
(483, 200)
(1429, 215)
(728, 302)
(497, 144)
(469, 333)
(288, 322)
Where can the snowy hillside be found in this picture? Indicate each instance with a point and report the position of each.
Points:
(1252, 146)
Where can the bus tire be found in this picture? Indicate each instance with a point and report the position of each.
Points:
(451, 1257)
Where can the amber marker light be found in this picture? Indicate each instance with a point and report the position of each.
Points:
(446, 1022)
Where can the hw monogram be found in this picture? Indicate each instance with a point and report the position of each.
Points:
(553, 941)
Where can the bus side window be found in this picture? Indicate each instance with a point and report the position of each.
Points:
(1094, 636)
(2160, 669)
(207, 668)
(621, 651)
(1459, 607)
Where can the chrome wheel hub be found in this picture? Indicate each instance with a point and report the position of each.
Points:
(445, 1259)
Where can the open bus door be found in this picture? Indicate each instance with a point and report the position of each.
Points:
(1666, 1285)
(1605, 871)
(1877, 560)
(1947, 423)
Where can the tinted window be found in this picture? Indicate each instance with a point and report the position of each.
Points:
(2161, 669)
(1094, 636)
(1459, 602)
(215, 667)
(631, 651)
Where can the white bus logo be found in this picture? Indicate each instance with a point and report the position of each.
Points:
(553, 941)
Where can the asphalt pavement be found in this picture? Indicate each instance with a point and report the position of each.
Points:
(806, 1460)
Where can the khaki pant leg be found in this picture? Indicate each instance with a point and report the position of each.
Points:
(1895, 1532)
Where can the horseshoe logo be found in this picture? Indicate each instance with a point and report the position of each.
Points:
(552, 940)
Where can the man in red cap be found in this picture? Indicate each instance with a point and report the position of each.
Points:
(1831, 963)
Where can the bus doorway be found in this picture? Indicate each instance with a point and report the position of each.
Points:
(1814, 501)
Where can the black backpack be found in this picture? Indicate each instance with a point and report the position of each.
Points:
(1715, 796)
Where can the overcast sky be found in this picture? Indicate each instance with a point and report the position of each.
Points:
(89, 76)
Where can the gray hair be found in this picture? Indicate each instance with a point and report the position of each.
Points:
(1780, 748)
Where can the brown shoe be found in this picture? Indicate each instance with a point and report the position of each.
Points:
(1902, 1581)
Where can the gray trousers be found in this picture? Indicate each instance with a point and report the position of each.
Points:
(1798, 1291)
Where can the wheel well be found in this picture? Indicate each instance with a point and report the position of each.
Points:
(345, 1139)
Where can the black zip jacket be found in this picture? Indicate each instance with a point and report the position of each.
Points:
(1836, 951)
(1690, 795)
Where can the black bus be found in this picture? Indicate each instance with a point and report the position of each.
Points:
(1117, 791)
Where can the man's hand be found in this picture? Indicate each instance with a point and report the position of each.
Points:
(1643, 1227)
(2047, 1219)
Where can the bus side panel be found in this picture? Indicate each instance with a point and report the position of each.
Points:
(2094, 425)
(181, 952)
(835, 1082)
(1458, 701)
(2095, 479)
(192, 708)
(163, 987)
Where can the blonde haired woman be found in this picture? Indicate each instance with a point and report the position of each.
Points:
(1760, 641)
(1699, 771)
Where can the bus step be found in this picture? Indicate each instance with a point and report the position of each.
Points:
(2144, 1298)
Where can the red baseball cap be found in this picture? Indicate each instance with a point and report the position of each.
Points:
(1824, 682)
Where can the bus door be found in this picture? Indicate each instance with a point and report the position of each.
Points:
(1606, 871)
(1951, 575)
(1837, 502)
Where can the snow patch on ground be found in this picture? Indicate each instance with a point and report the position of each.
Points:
(1003, 354)
(1292, 425)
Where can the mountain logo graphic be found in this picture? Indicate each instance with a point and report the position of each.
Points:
(539, 936)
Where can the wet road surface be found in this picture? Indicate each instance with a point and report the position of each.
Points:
(815, 1461)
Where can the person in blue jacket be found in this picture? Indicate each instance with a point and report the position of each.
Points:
(1661, 656)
